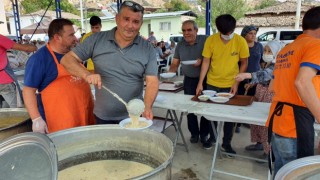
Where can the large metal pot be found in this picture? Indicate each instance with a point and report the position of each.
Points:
(17, 121)
(101, 142)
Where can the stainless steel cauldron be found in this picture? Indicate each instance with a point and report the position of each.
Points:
(101, 142)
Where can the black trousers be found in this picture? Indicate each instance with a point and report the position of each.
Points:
(102, 121)
(228, 126)
(190, 86)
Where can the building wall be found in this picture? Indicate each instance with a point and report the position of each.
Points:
(3, 27)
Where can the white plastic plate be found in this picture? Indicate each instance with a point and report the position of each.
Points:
(124, 122)
(167, 75)
(189, 62)
(219, 99)
(226, 95)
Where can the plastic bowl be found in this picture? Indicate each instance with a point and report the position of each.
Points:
(209, 92)
(226, 95)
(203, 97)
(219, 99)
(167, 75)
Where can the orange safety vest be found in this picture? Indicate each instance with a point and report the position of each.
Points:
(67, 101)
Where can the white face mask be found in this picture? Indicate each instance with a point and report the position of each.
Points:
(227, 37)
(267, 58)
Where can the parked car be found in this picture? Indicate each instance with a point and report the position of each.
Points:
(283, 35)
(175, 37)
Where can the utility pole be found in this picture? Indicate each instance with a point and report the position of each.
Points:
(298, 12)
(81, 13)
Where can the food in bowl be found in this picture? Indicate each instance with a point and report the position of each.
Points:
(209, 92)
(219, 99)
(203, 97)
(226, 95)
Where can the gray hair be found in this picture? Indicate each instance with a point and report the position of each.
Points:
(195, 26)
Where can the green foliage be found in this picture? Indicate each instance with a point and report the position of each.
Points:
(237, 8)
(177, 5)
(265, 3)
(30, 6)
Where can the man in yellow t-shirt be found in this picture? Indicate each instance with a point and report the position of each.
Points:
(96, 26)
(221, 54)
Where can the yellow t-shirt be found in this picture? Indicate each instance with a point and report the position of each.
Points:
(224, 59)
(90, 65)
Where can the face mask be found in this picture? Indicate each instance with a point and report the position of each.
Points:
(226, 37)
(267, 58)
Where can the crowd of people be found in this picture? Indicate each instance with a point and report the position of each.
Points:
(57, 90)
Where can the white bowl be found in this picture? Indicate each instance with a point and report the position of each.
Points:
(219, 99)
(209, 92)
(124, 122)
(189, 62)
(167, 75)
(203, 97)
(226, 95)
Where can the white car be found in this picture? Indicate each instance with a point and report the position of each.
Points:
(283, 35)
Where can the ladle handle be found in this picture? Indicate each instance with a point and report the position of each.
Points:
(115, 95)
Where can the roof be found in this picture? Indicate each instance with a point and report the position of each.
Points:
(280, 8)
(279, 15)
(158, 15)
(53, 14)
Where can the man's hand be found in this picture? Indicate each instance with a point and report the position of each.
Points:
(148, 114)
(198, 63)
(199, 89)
(94, 79)
(234, 88)
(39, 125)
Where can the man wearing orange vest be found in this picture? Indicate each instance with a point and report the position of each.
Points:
(296, 101)
(55, 99)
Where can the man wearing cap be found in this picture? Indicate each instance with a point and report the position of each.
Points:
(122, 61)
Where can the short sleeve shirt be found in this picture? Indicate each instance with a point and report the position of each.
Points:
(224, 59)
(122, 70)
(304, 51)
(5, 44)
(187, 52)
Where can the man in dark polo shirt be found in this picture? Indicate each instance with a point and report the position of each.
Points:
(121, 60)
(190, 48)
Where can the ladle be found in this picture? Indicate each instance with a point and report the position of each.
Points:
(116, 96)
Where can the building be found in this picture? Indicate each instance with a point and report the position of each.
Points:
(162, 24)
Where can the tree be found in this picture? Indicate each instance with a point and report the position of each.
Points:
(265, 3)
(176, 5)
(30, 6)
(237, 8)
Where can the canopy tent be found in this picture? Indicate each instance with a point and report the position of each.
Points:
(42, 29)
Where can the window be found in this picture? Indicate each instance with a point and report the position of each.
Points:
(289, 35)
(165, 26)
(268, 36)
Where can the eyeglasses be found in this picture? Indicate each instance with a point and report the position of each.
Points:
(134, 6)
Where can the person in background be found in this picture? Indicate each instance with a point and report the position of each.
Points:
(190, 48)
(152, 38)
(122, 61)
(8, 81)
(172, 47)
(262, 78)
(255, 50)
(295, 104)
(95, 23)
(221, 54)
(56, 100)
(160, 54)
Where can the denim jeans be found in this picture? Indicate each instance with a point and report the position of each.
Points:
(228, 126)
(190, 86)
(284, 150)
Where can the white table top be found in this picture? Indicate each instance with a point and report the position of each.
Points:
(256, 113)
(174, 101)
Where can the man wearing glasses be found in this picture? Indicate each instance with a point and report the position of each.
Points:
(121, 59)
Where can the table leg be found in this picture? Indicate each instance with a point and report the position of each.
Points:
(179, 132)
(218, 136)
